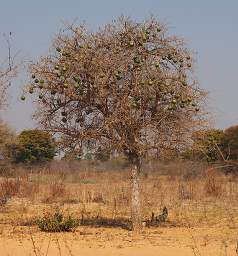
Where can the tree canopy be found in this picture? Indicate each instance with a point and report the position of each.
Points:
(127, 87)
(207, 145)
(33, 146)
(231, 142)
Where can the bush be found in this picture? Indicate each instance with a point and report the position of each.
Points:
(57, 222)
(33, 146)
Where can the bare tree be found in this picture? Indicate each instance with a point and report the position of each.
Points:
(7, 72)
(128, 87)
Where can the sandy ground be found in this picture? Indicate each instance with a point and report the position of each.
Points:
(88, 241)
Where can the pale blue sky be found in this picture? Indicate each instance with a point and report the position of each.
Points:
(210, 28)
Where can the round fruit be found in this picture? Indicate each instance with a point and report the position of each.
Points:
(77, 79)
(66, 85)
(184, 83)
(56, 67)
(136, 60)
(23, 97)
(41, 81)
(189, 65)
(188, 58)
(197, 109)
(118, 77)
(169, 56)
(36, 81)
(33, 76)
(64, 119)
(163, 58)
(134, 104)
(150, 82)
(31, 90)
(40, 96)
(130, 66)
(174, 101)
(157, 65)
(131, 43)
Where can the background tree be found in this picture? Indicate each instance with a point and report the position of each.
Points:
(231, 142)
(128, 87)
(7, 136)
(8, 70)
(207, 145)
(33, 146)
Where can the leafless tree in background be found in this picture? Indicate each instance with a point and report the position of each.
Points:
(128, 87)
(8, 70)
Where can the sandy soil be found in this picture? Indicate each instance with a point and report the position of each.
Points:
(88, 241)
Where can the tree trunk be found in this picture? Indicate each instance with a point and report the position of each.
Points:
(135, 198)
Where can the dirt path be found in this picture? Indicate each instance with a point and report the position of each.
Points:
(104, 242)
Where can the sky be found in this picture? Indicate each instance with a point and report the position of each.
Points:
(210, 28)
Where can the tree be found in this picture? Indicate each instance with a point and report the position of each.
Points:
(207, 145)
(128, 87)
(8, 70)
(33, 146)
(231, 142)
(7, 136)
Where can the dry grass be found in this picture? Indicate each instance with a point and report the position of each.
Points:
(196, 196)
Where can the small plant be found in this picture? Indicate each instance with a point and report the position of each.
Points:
(57, 222)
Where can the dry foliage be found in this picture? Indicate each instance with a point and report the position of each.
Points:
(128, 87)
(8, 189)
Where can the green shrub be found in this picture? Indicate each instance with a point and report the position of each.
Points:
(33, 146)
(57, 222)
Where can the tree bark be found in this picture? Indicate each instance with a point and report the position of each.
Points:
(135, 197)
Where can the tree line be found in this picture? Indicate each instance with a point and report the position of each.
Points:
(37, 146)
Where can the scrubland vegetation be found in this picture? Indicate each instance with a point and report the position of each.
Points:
(94, 197)
(123, 157)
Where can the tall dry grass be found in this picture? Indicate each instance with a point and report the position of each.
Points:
(193, 192)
